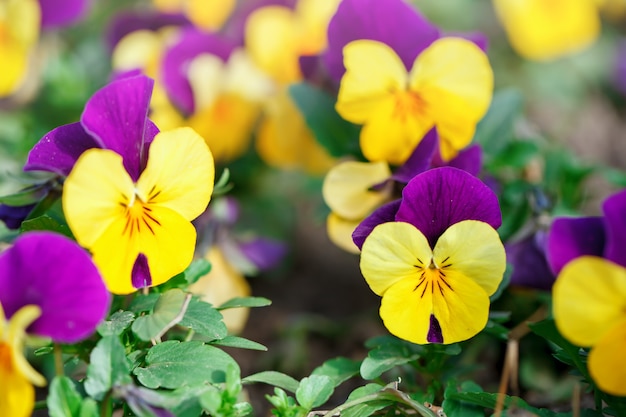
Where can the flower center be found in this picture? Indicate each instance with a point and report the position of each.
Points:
(408, 104)
(139, 215)
(6, 359)
(433, 277)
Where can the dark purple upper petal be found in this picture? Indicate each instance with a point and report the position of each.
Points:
(614, 208)
(393, 22)
(441, 197)
(128, 22)
(571, 237)
(177, 58)
(55, 13)
(54, 273)
(420, 159)
(13, 216)
(58, 150)
(530, 266)
(469, 159)
(383, 214)
(116, 116)
(262, 252)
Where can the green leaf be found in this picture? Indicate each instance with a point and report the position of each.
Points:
(274, 378)
(108, 365)
(47, 223)
(204, 319)
(196, 270)
(144, 302)
(389, 353)
(239, 342)
(338, 370)
(167, 310)
(116, 324)
(368, 408)
(454, 407)
(496, 129)
(245, 302)
(173, 364)
(314, 391)
(63, 398)
(338, 136)
(89, 408)
(516, 154)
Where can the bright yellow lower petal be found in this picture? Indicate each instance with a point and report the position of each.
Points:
(455, 80)
(544, 30)
(19, 31)
(272, 42)
(473, 249)
(391, 136)
(168, 245)
(374, 73)
(94, 193)
(607, 363)
(17, 396)
(390, 254)
(226, 125)
(221, 284)
(179, 174)
(347, 188)
(589, 299)
(209, 14)
(340, 232)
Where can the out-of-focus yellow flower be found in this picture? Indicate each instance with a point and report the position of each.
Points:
(285, 141)
(548, 29)
(449, 87)
(19, 31)
(205, 14)
(277, 36)
(221, 284)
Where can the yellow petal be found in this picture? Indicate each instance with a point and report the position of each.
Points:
(314, 16)
(374, 73)
(140, 49)
(19, 31)
(209, 14)
(18, 324)
(455, 80)
(272, 44)
(340, 232)
(473, 249)
(94, 193)
(168, 244)
(544, 30)
(179, 174)
(391, 136)
(17, 396)
(589, 299)
(390, 253)
(607, 364)
(169, 6)
(206, 74)
(221, 284)
(347, 188)
(226, 125)
(247, 80)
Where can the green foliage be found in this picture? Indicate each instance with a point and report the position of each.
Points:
(108, 365)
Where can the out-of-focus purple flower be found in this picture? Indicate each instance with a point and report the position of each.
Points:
(115, 118)
(620, 67)
(53, 273)
(56, 13)
(143, 401)
(571, 238)
(530, 266)
(13, 216)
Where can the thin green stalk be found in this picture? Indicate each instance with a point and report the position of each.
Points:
(58, 360)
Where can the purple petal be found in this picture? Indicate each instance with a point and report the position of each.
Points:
(55, 13)
(140, 275)
(116, 117)
(570, 238)
(530, 266)
(58, 150)
(128, 22)
(177, 58)
(614, 208)
(383, 214)
(13, 216)
(263, 253)
(312, 68)
(54, 273)
(441, 197)
(434, 331)
(620, 67)
(420, 159)
(469, 159)
(393, 22)
(234, 28)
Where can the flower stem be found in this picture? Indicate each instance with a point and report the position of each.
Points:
(58, 360)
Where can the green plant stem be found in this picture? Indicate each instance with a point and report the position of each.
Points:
(40, 405)
(58, 360)
(106, 408)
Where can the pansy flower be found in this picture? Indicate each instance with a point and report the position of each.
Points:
(401, 82)
(208, 15)
(545, 30)
(589, 295)
(436, 265)
(21, 22)
(49, 287)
